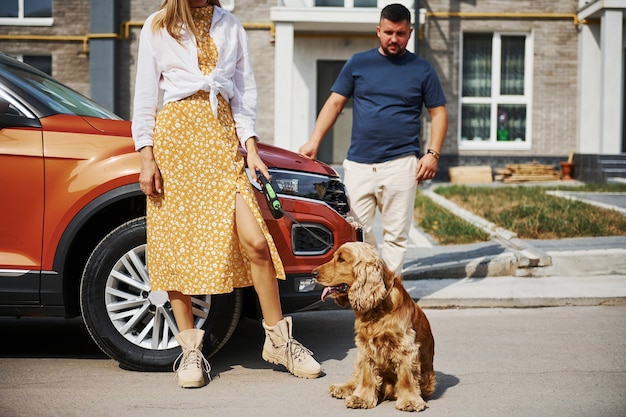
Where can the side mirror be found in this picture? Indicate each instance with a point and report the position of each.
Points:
(12, 117)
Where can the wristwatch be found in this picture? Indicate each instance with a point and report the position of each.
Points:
(433, 153)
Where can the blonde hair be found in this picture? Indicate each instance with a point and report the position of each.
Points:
(174, 15)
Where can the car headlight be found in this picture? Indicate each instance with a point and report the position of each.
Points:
(313, 186)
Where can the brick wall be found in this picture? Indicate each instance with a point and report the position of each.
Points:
(555, 55)
(69, 65)
(261, 51)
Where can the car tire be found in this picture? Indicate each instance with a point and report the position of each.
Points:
(134, 325)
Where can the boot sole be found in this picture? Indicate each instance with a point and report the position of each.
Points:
(191, 384)
(270, 359)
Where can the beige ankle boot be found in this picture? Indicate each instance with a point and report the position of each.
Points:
(281, 348)
(191, 363)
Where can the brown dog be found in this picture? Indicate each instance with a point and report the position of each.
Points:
(392, 334)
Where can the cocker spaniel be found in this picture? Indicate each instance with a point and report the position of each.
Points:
(392, 334)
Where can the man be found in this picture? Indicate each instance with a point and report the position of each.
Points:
(390, 85)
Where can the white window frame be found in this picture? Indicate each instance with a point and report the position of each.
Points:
(20, 20)
(496, 98)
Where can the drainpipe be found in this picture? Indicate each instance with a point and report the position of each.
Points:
(102, 53)
(417, 29)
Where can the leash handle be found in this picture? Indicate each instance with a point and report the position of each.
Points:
(276, 209)
(271, 197)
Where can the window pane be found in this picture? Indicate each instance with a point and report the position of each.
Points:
(365, 3)
(511, 122)
(475, 123)
(42, 63)
(477, 65)
(329, 3)
(37, 8)
(8, 8)
(512, 68)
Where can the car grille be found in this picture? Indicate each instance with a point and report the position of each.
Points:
(310, 239)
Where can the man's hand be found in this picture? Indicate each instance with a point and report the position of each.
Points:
(426, 168)
(308, 150)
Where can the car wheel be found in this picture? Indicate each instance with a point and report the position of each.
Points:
(134, 325)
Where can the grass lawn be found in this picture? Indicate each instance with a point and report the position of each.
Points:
(526, 210)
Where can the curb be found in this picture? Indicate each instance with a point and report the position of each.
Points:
(486, 266)
(507, 292)
(573, 263)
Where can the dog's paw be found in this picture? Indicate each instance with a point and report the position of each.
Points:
(415, 404)
(340, 391)
(357, 402)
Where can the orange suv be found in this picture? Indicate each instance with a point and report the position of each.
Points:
(72, 225)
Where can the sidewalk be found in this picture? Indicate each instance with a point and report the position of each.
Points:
(509, 272)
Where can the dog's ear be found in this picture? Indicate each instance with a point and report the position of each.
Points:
(368, 289)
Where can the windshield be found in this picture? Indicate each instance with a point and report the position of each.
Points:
(58, 97)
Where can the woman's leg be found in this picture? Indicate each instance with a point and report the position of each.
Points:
(181, 307)
(191, 365)
(262, 269)
(279, 347)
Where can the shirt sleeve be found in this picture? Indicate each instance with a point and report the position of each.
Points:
(344, 83)
(146, 90)
(433, 91)
(244, 101)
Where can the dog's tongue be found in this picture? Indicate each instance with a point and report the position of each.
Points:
(325, 293)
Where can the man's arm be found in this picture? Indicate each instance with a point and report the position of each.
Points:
(325, 120)
(427, 165)
(438, 127)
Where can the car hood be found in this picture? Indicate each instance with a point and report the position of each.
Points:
(273, 156)
(110, 127)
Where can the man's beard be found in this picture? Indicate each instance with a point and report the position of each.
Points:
(400, 51)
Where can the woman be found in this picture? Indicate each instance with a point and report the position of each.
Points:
(206, 234)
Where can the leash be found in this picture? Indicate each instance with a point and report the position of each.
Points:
(277, 211)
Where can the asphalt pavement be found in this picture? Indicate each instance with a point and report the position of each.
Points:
(510, 272)
(490, 361)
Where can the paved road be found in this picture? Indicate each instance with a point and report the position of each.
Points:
(564, 361)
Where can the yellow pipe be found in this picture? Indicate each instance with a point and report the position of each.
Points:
(261, 26)
(123, 34)
(507, 15)
(62, 38)
(125, 27)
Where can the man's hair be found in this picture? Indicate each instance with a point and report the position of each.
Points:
(396, 13)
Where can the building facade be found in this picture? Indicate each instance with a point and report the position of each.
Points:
(526, 80)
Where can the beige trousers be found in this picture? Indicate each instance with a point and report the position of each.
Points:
(389, 186)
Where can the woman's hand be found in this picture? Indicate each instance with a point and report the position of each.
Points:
(255, 163)
(150, 180)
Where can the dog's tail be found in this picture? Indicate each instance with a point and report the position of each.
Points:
(428, 382)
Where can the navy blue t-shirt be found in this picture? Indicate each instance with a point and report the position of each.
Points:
(389, 94)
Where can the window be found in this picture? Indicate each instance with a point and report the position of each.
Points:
(26, 12)
(41, 62)
(342, 3)
(495, 91)
(328, 3)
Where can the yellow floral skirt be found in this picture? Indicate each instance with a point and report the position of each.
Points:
(192, 245)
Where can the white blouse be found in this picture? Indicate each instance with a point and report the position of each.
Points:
(164, 64)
